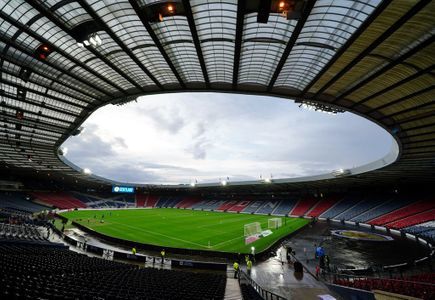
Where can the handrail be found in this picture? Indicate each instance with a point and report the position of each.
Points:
(265, 294)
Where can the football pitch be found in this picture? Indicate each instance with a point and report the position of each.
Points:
(180, 228)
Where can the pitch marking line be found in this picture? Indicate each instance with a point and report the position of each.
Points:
(161, 234)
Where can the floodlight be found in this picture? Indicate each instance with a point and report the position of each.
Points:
(170, 8)
(267, 180)
(192, 184)
(87, 171)
(224, 182)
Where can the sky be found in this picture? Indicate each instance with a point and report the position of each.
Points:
(204, 137)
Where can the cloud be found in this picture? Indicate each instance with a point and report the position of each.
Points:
(175, 138)
(166, 118)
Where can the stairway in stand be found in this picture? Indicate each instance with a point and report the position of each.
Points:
(232, 290)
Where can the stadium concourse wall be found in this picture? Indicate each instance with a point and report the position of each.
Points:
(151, 247)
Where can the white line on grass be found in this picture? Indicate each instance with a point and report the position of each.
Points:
(161, 234)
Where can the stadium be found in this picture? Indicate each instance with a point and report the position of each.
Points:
(130, 227)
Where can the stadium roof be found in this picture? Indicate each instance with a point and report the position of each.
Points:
(374, 58)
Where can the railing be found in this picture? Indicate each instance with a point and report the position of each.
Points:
(265, 294)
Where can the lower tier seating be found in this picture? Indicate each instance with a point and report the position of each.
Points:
(47, 272)
(409, 288)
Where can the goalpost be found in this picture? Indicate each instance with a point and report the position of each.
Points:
(252, 229)
(274, 223)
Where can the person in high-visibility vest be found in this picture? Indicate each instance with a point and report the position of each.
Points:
(162, 255)
(236, 269)
(133, 251)
(249, 266)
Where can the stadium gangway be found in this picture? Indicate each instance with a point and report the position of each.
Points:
(265, 294)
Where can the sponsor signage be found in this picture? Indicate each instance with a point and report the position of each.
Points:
(122, 189)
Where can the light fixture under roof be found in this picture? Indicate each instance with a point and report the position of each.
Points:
(320, 107)
(86, 34)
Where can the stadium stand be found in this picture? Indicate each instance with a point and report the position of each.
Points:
(151, 201)
(304, 205)
(284, 207)
(209, 204)
(253, 207)
(35, 271)
(413, 220)
(173, 202)
(268, 207)
(60, 200)
(20, 232)
(409, 210)
(19, 201)
(226, 205)
(141, 200)
(323, 206)
(346, 203)
(187, 202)
(389, 205)
(239, 206)
(401, 287)
(361, 207)
(420, 228)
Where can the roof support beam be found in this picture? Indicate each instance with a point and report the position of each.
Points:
(382, 6)
(389, 66)
(20, 48)
(16, 85)
(194, 32)
(117, 40)
(402, 99)
(416, 108)
(142, 16)
(238, 43)
(393, 86)
(398, 24)
(295, 34)
(25, 28)
(49, 15)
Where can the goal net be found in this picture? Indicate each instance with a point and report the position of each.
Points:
(274, 223)
(252, 228)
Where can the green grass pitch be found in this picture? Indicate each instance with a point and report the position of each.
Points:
(179, 228)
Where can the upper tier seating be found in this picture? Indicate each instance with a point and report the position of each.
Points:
(409, 210)
(60, 200)
(285, 207)
(425, 216)
(322, 206)
(363, 206)
(47, 272)
(268, 207)
(346, 203)
(303, 206)
(17, 200)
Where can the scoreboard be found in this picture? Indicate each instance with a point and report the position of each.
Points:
(122, 189)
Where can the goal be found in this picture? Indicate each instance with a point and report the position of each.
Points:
(252, 229)
(274, 223)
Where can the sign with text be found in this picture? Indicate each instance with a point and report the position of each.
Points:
(122, 189)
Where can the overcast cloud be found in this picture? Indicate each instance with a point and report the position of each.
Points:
(177, 138)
